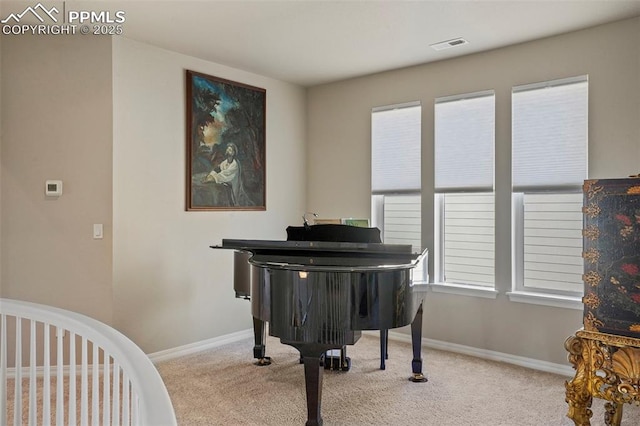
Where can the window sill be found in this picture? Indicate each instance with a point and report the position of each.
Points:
(546, 299)
(464, 290)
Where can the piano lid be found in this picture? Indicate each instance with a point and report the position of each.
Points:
(327, 255)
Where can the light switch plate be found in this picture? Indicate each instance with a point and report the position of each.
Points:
(97, 231)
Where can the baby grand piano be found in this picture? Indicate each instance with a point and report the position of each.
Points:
(319, 295)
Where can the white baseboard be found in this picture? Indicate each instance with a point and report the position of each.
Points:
(549, 367)
(536, 364)
(202, 345)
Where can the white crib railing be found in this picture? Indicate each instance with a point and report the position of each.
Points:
(101, 377)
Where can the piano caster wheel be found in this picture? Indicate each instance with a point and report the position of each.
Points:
(263, 361)
(418, 378)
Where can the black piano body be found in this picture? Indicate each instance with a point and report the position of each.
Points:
(320, 295)
(317, 232)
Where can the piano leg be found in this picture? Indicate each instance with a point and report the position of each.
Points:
(313, 371)
(416, 342)
(384, 343)
(259, 336)
(313, 382)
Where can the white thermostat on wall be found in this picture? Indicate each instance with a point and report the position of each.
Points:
(53, 188)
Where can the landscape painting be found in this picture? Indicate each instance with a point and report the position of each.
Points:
(226, 155)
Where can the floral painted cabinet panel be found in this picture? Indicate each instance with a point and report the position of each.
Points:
(611, 244)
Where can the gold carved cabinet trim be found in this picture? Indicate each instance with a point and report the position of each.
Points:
(607, 367)
(591, 255)
(591, 232)
(592, 210)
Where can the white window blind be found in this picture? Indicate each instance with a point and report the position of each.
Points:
(395, 148)
(549, 135)
(464, 170)
(402, 220)
(469, 245)
(549, 165)
(396, 177)
(402, 225)
(553, 242)
(464, 140)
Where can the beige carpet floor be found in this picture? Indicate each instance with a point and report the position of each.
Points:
(223, 387)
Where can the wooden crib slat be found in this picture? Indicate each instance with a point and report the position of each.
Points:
(32, 375)
(46, 382)
(115, 415)
(59, 376)
(3, 370)
(72, 379)
(84, 388)
(106, 404)
(95, 393)
(17, 403)
(125, 400)
(135, 414)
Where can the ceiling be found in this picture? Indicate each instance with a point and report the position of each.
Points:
(310, 42)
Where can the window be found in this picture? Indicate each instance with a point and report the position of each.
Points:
(396, 176)
(464, 204)
(549, 165)
(468, 239)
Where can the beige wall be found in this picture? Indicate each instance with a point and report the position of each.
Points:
(169, 287)
(108, 119)
(0, 163)
(339, 141)
(56, 124)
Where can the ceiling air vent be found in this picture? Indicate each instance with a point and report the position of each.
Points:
(449, 44)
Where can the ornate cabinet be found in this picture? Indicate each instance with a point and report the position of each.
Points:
(611, 251)
(606, 353)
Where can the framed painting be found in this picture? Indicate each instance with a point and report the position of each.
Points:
(226, 155)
